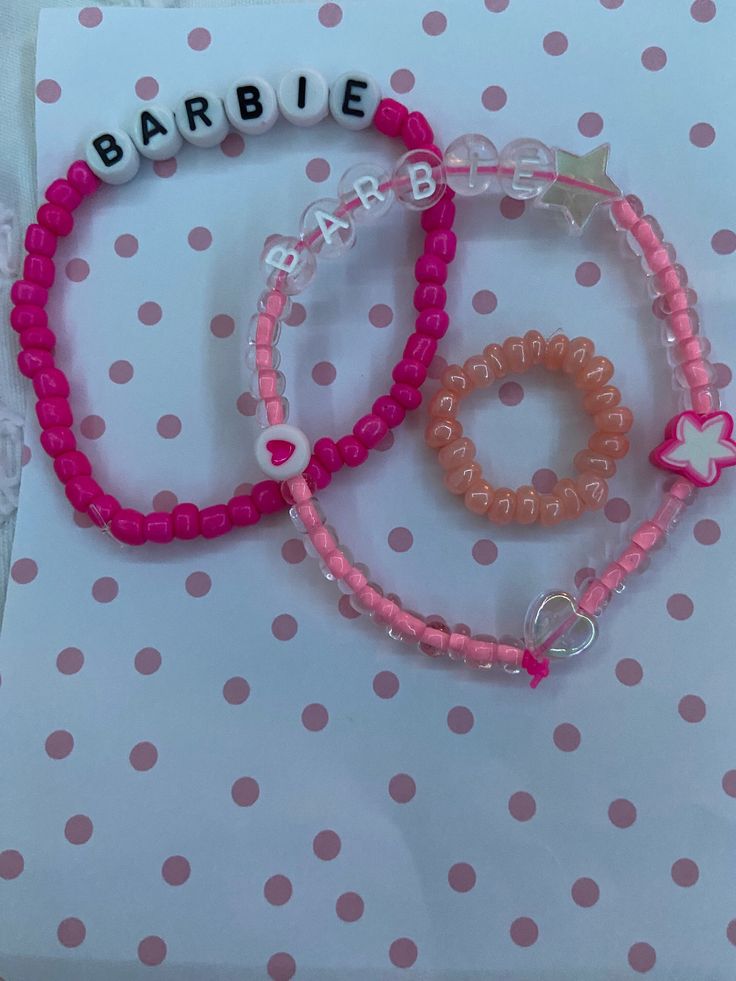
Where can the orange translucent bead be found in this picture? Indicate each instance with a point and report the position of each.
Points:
(496, 359)
(600, 399)
(536, 346)
(616, 420)
(578, 355)
(503, 506)
(594, 462)
(457, 452)
(551, 511)
(527, 505)
(459, 480)
(455, 379)
(572, 506)
(444, 404)
(556, 351)
(479, 371)
(595, 374)
(478, 497)
(611, 444)
(440, 432)
(593, 490)
(515, 354)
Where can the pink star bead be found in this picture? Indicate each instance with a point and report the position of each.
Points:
(697, 446)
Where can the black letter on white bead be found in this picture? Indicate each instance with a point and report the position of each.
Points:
(196, 108)
(349, 96)
(354, 98)
(150, 127)
(108, 149)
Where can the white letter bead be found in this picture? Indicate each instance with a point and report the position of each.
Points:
(251, 106)
(325, 232)
(286, 264)
(519, 161)
(419, 179)
(363, 182)
(468, 160)
(283, 451)
(201, 118)
(354, 98)
(303, 97)
(155, 134)
(112, 155)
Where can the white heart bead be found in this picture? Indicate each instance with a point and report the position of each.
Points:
(201, 119)
(251, 105)
(283, 451)
(155, 133)
(112, 155)
(354, 98)
(303, 97)
(554, 618)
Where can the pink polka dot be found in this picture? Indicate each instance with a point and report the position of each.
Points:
(11, 864)
(642, 957)
(326, 845)
(147, 660)
(729, 783)
(723, 374)
(330, 14)
(707, 531)
(485, 551)
(724, 242)
(400, 539)
(585, 892)
(120, 372)
(566, 737)
(282, 966)
(654, 59)
(484, 301)
(460, 720)
(349, 907)
(385, 684)
(78, 829)
(617, 510)
(200, 238)
(152, 951)
(82, 520)
(436, 367)
(25, 455)
(23, 571)
(680, 606)
(555, 43)
(76, 270)
(402, 81)
(324, 373)
(297, 315)
(315, 717)
(149, 313)
(629, 672)
(510, 393)
(243, 489)
(277, 890)
(198, 584)
(692, 708)
(168, 426)
(380, 315)
(544, 480)
(199, 39)
(587, 274)
(621, 813)
(590, 124)
(522, 806)
(165, 168)
(511, 208)
(245, 791)
(611, 4)
(494, 98)
(284, 627)
(222, 325)
(703, 11)
(685, 872)
(403, 952)
(246, 404)
(143, 756)
(71, 932)
(59, 744)
(346, 609)
(90, 16)
(496, 6)
(92, 427)
(176, 870)
(434, 23)
(583, 574)
(293, 551)
(702, 135)
(524, 931)
(461, 877)
(236, 691)
(105, 589)
(48, 90)
(402, 788)
(146, 88)
(70, 660)
(317, 170)
(165, 500)
(126, 246)
(233, 145)
(731, 932)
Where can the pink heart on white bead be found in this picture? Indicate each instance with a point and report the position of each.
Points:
(281, 451)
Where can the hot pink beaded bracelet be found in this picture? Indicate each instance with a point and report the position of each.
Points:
(698, 442)
(250, 106)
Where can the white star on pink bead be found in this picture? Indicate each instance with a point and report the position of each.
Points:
(697, 446)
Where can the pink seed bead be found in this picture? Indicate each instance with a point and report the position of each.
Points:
(370, 430)
(443, 243)
(214, 521)
(23, 291)
(631, 558)
(268, 384)
(420, 348)
(39, 269)
(594, 598)
(435, 641)
(352, 451)
(508, 654)
(648, 535)
(416, 131)
(613, 576)
(61, 192)
(103, 509)
(696, 374)
(427, 269)
(24, 316)
(186, 521)
(243, 511)
(440, 215)
(406, 395)
(645, 235)
(390, 117)
(479, 651)
(40, 241)
(57, 440)
(356, 580)
(430, 295)
(82, 178)
(53, 412)
(409, 373)
(327, 453)
(624, 214)
(159, 527)
(705, 399)
(683, 324)
(58, 220)
(71, 464)
(658, 259)
(668, 513)
(433, 323)
(81, 492)
(33, 337)
(267, 497)
(682, 489)
(129, 526)
(389, 410)
(264, 330)
(51, 381)
(315, 472)
(668, 280)
(34, 359)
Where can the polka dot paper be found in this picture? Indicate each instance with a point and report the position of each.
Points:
(212, 766)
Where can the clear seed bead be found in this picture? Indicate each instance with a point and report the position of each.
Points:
(327, 573)
(255, 329)
(513, 642)
(519, 161)
(324, 231)
(682, 351)
(251, 358)
(685, 400)
(262, 413)
(278, 308)
(297, 521)
(468, 160)
(280, 382)
(668, 338)
(367, 184)
(419, 179)
(286, 265)
(668, 306)
(436, 623)
(656, 284)
(706, 367)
